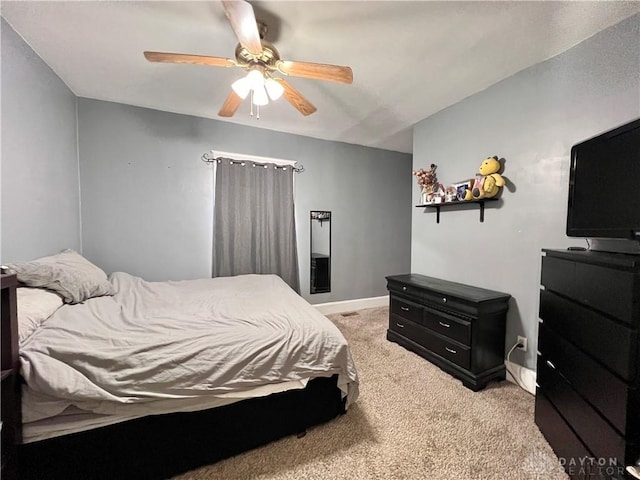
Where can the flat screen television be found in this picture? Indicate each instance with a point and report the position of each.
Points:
(604, 186)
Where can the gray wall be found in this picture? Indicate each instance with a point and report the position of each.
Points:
(39, 176)
(531, 119)
(147, 196)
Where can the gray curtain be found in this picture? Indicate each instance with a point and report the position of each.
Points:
(254, 221)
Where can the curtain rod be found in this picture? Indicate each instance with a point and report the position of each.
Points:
(210, 158)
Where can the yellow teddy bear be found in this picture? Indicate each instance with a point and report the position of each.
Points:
(488, 183)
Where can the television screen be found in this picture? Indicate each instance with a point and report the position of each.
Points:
(604, 185)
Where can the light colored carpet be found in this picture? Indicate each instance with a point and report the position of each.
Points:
(412, 421)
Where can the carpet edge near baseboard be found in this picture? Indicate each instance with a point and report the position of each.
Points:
(330, 308)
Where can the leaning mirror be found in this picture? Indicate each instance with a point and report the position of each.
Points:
(320, 251)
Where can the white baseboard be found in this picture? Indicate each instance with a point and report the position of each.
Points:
(351, 305)
(525, 376)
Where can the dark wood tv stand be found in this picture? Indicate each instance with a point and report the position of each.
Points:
(457, 327)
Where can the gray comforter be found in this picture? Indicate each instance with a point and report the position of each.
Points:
(194, 340)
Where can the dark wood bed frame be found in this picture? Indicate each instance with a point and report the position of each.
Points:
(156, 446)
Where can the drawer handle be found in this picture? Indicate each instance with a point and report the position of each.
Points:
(400, 325)
(406, 309)
(404, 288)
(445, 325)
(450, 350)
(551, 364)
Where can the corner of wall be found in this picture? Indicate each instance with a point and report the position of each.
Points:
(79, 182)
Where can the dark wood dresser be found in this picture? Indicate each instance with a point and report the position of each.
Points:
(587, 400)
(457, 327)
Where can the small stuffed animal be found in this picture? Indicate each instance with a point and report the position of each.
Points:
(489, 181)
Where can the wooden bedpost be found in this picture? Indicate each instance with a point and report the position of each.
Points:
(10, 365)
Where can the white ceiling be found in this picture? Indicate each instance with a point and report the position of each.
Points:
(410, 59)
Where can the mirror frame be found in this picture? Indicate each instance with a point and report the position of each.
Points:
(319, 216)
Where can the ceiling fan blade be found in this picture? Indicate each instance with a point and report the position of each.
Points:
(243, 22)
(316, 71)
(165, 57)
(295, 98)
(230, 105)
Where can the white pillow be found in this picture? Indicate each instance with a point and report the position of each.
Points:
(35, 305)
(67, 273)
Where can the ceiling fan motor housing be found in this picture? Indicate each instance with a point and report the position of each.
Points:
(267, 58)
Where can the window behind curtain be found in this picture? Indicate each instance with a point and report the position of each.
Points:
(254, 221)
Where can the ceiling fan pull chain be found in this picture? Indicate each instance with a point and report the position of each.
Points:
(257, 112)
(252, 102)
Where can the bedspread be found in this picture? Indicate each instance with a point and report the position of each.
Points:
(190, 340)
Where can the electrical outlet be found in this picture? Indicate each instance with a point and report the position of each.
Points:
(523, 342)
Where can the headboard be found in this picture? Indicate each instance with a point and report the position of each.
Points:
(10, 364)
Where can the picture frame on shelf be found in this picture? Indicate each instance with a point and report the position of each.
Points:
(462, 187)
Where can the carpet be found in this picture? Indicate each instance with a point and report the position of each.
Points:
(412, 421)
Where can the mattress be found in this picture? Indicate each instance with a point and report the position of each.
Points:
(159, 347)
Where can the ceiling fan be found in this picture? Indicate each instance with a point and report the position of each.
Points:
(261, 59)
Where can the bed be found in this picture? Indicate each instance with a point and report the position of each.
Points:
(125, 378)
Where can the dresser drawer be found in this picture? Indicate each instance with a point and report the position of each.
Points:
(448, 325)
(451, 303)
(599, 437)
(606, 392)
(585, 327)
(441, 346)
(450, 350)
(406, 309)
(615, 292)
(566, 445)
(406, 328)
(404, 289)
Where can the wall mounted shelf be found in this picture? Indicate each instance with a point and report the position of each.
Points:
(438, 206)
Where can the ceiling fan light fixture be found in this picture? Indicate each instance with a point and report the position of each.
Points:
(260, 96)
(242, 87)
(256, 80)
(274, 89)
